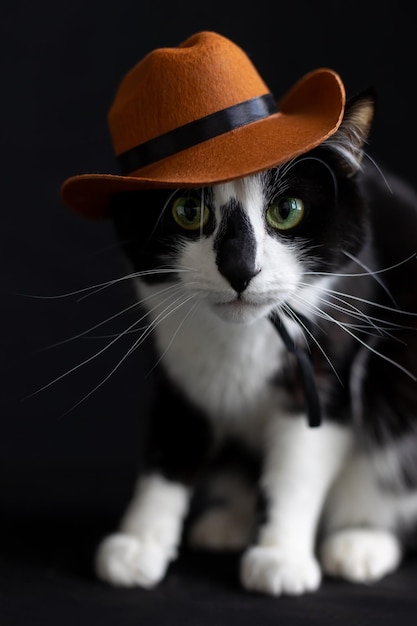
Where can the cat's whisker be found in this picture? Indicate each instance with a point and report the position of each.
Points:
(134, 347)
(341, 325)
(322, 162)
(168, 310)
(361, 274)
(106, 347)
(185, 318)
(293, 315)
(348, 308)
(133, 331)
(379, 170)
(354, 312)
(365, 301)
(346, 147)
(67, 294)
(162, 211)
(367, 327)
(170, 290)
(93, 289)
(134, 275)
(84, 333)
(371, 273)
(366, 331)
(202, 213)
(110, 336)
(82, 364)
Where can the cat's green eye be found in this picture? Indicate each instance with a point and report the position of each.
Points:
(285, 212)
(190, 213)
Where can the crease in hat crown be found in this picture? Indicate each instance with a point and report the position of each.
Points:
(172, 89)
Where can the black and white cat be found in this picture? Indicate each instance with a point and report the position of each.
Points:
(328, 245)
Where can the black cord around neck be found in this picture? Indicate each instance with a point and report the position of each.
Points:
(306, 369)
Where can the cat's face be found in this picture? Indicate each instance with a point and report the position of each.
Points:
(244, 247)
(248, 246)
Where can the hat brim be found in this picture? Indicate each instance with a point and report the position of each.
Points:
(309, 114)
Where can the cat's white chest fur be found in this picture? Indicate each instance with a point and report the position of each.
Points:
(224, 368)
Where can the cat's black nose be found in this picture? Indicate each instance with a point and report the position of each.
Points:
(236, 249)
(238, 273)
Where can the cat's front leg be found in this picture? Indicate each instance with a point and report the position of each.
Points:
(176, 452)
(149, 534)
(301, 463)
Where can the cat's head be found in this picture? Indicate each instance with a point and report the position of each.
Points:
(251, 245)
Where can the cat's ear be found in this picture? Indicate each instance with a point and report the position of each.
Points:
(350, 139)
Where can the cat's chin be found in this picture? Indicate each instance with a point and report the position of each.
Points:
(238, 312)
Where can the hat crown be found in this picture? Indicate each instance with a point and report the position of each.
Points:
(171, 87)
(199, 115)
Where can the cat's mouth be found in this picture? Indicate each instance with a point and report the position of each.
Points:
(242, 311)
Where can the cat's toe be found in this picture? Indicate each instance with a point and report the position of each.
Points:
(360, 555)
(126, 561)
(268, 570)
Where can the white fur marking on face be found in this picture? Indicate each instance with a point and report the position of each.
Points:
(249, 193)
(278, 265)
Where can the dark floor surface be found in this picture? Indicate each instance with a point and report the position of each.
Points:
(47, 579)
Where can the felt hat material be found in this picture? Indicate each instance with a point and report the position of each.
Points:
(200, 114)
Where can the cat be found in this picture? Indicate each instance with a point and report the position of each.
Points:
(327, 244)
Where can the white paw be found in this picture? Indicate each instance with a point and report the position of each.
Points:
(360, 555)
(220, 529)
(268, 570)
(124, 560)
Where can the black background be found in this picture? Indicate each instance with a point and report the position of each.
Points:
(68, 457)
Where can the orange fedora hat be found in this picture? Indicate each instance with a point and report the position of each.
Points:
(200, 114)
